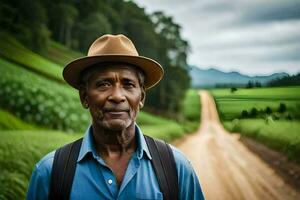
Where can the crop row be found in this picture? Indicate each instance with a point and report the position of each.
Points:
(40, 101)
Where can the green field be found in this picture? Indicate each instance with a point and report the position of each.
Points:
(276, 129)
(10, 122)
(13, 51)
(60, 54)
(231, 104)
(19, 151)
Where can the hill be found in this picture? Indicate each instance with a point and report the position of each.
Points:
(208, 78)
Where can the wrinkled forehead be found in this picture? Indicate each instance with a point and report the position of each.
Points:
(107, 67)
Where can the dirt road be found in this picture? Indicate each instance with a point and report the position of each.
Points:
(226, 168)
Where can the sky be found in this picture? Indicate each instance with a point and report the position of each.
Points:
(254, 37)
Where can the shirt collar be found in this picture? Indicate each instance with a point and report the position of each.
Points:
(141, 143)
(89, 147)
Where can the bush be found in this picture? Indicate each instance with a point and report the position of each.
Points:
(289, 117)
(253, 112)
(268, 110)
(282, 108)
(233, 89)
(244, 114)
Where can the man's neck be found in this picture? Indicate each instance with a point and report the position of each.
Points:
(115, 144)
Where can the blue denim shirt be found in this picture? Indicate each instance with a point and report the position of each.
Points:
(94, 180)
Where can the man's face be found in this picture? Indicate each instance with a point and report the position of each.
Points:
(114, 97)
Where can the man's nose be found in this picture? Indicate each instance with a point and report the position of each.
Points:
(117, 95)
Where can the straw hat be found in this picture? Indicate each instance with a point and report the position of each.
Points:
(113, 48)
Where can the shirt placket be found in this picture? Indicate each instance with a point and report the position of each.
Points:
(109, 178)
(131, 170)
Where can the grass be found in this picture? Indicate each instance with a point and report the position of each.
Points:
(10, 122)
(191, 106)
(19, 151)
(12, 50)
(159, 127)
(272, 129)
(191, 111)
(60, 54)
(279, 135)
(169, 130)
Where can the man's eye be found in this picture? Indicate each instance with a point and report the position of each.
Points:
(129, 85)
(103, 84)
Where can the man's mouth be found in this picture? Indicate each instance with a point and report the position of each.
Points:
(116, 112)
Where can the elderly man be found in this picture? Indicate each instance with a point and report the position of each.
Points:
(114, 160)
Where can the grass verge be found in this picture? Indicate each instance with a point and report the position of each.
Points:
(19, 151)
(282, 136)
(191, 111)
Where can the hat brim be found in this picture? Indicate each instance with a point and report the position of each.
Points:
(152, 69)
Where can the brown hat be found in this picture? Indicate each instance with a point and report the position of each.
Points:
(113, 48)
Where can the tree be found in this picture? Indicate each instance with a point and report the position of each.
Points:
(27, 21)
(282, 108)
(249, 84)
(172, 50)
(67, 14)
(233, 89)
(244, 114)
(253, 112)
(90, 28)
(268, 110)
(257, 84)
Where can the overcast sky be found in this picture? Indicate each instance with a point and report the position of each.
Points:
(249, 36)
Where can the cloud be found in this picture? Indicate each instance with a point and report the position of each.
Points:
(257, 36)
(270, 11)
(262, 34)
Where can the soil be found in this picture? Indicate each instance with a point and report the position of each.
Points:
(230, 167)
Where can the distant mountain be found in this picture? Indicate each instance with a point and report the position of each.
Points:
(208, 78)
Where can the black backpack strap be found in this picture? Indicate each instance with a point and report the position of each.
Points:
(164, 167)
(63, 170)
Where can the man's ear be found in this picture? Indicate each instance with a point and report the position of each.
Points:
(143, 97)
(83, 97)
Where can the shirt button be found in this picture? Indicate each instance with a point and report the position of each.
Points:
(109, 181)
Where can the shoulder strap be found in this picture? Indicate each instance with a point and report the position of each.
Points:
(164, 167)
(64, 167)
(63, 170)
